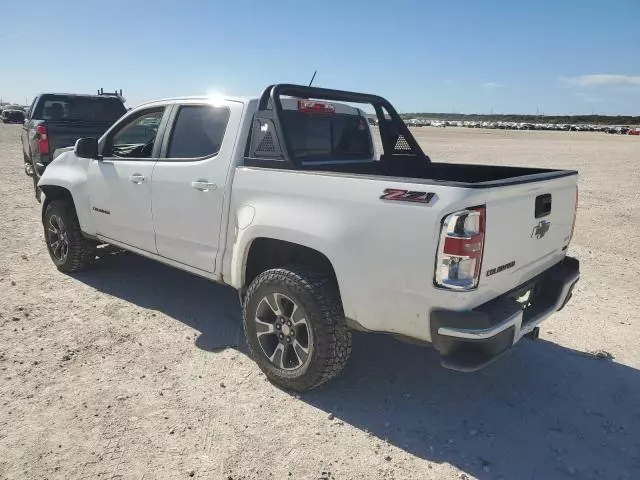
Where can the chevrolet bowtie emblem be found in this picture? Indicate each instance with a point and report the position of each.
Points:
(541, 229)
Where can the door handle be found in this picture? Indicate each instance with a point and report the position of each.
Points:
(203, 185)
(137, 178)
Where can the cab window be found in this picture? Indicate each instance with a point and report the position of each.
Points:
(198, 131)
(136, 137)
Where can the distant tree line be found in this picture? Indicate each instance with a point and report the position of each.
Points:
(569, 119)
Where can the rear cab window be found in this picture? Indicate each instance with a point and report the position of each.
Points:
(334, 132)
(99, 109)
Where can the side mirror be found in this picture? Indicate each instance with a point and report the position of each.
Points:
(86, 148)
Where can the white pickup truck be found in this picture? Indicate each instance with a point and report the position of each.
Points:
(284, 198)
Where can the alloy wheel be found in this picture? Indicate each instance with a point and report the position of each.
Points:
(283, 331)
(58, 238)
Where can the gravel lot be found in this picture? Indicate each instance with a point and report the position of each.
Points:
(136, 370)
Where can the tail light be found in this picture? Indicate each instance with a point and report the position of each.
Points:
(460, 249)
(312, 106)
(43, 139)
(575, 214)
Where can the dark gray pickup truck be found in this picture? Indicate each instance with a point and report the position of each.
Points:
(57, 120)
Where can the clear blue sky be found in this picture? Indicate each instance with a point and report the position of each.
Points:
(552, 56)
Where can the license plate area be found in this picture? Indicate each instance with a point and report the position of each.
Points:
(525, 296)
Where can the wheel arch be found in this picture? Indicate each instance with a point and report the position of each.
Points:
(264, 253)
(60, 192)
(66, 177)
(55, 192)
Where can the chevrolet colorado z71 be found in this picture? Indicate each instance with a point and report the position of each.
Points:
(285, 199)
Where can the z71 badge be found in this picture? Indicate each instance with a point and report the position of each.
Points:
(397, 195)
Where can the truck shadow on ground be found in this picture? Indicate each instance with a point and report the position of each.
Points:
(210, 308)
(542, 411)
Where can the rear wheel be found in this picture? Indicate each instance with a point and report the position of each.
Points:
(28, 167)
(31, 170)
(295, 327)
(68, 248)
(36, 189)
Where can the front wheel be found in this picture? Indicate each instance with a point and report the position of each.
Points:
(68, 248)
(295, 327)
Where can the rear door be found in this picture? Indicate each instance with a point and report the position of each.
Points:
(120, 182)
(190, 181)
(528, 229)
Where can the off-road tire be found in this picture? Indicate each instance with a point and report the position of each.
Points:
(81, 250)
(28, 160)
(318, 295)
(36, 189)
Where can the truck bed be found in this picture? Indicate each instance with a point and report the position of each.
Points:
(284, 136)
(452, 174)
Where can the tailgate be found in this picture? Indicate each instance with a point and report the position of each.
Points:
(528, 229)
(65, 134)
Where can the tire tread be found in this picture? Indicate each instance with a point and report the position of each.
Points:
(82, 251)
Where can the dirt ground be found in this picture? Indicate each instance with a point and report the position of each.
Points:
(136, 370)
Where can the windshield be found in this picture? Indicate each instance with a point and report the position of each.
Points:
(334, 136)
(77, 108)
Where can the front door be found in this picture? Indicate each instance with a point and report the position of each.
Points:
(120, 181)
(189, 181)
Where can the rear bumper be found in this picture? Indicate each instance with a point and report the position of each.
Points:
(470, 340)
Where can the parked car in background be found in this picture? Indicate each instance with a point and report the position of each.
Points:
(10, 107)
(57, 120)
(618, 129)
(286, 199)
(12, 116)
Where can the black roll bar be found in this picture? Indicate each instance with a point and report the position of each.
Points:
(391, 129)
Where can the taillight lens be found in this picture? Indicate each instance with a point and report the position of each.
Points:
(575, 214)
(43, 139)
(460, 249)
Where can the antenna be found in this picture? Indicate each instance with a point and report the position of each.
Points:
(312, 78)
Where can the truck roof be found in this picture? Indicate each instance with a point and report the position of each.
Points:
(199, 98)
(287, 103)
(88, 95)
